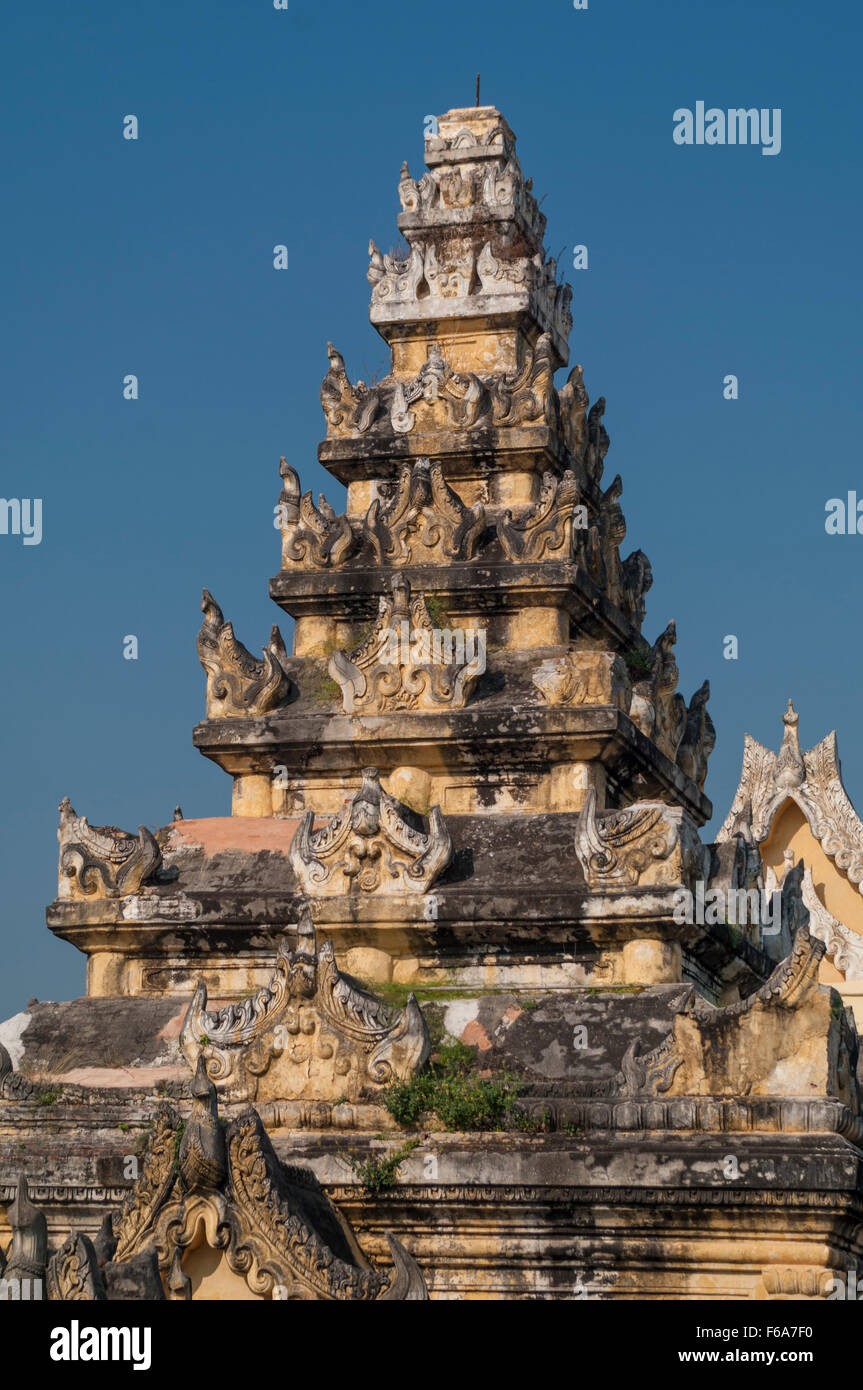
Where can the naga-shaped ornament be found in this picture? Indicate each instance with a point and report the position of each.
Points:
(424, 521)
(312, 536)
(647, 843)
(100, 860)
(527, 396)
(310, 1034)
(239, 684)
(657, 709)
(406, 663)
(546, 530)
(369, 847)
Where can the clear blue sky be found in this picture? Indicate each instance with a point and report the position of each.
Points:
(154, 257)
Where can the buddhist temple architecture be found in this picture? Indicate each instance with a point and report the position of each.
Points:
(456, 1003)
(795, 808)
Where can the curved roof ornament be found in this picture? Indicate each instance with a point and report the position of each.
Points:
(813, 781)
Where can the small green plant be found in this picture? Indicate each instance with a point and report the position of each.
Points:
(615, 989)
(204, 1039)
(121, 1125)
(316, 683)
(450, 1088)
(435, 610)
(340, 1100)
(377, 1173)
(532, 1124)
(325, 689)
(49, 1097)
(362, 634)
(639, 661)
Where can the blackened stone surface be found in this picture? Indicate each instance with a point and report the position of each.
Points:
(101, 1033)
(573, 1042)
(135, 1279)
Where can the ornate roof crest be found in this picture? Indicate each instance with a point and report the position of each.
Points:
(238, 684)
(311, 1033)
(407, 663)
(369, 847)
(275, 1225)
(102, 861)
(813, 781)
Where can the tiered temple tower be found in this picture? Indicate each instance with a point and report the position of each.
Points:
(465, 807)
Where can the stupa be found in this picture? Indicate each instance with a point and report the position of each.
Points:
(432, 972)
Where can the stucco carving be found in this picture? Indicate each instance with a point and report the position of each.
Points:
(699, 738)
(470, 172)
(813, 781)
(844, 947)
(407, 663)
(441, 399)
(453, 270)
(395, 278)
(651, 1074)
(424, 521)
(784, 1037)
(546, 530)
(102, 861)
(584, 678)
(266, 1218)
(312, 536)
(624, 582)
(239, 684)
(657, 710)
(648, 842)
(309, 1034)
(73, 1274)
(370, 847)
(527, 396)
(27, 1254)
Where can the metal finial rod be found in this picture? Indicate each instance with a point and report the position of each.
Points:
(477, 89)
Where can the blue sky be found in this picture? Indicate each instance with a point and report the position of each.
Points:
(154, 257)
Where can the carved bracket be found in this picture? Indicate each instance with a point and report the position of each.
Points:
(425, 520)
(370, 847)
(102, 860)
(239, 684)
(312, 536)
(310, 1034)
(406, 663)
